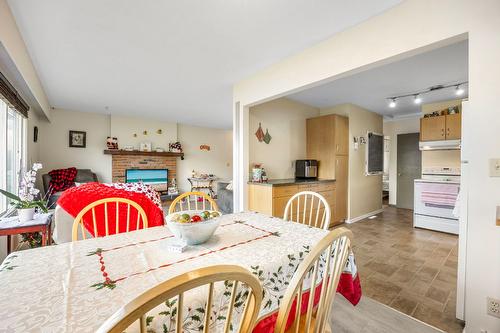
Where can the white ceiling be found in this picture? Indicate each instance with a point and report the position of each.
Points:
(369, 89)
(171, 60)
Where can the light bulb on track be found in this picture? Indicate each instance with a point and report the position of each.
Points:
(417, 99)
(459, 91)
(392, 103)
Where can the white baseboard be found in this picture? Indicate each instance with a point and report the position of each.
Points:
(364, 216)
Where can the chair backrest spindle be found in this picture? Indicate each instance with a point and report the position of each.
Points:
(80, 227)
(200, 201)
(323, 265)
(305, 207)
(138, 308)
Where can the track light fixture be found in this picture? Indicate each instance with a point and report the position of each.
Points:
(417, 96)
(392, 103)
(417, 99)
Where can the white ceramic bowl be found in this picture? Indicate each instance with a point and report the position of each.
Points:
(192, 233)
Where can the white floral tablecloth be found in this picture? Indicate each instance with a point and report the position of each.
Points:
(75, 287)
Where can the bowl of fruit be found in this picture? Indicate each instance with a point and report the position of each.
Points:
(193, 226)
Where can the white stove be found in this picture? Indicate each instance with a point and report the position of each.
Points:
(436, 195)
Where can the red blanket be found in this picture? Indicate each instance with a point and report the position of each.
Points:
(75, 199)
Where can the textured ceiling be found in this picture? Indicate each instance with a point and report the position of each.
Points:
(170, 60)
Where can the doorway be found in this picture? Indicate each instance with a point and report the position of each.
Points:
(409, 168)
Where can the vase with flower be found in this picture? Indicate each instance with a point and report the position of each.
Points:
(26, 202)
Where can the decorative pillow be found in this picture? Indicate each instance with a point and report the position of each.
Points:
(229, 186)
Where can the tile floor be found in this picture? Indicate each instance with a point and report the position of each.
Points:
(411, 270)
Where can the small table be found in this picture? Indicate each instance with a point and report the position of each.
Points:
(41, 223)
(198, 184)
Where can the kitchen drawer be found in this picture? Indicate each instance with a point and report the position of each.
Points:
(318, 187)
(285, 191)
(329, 196)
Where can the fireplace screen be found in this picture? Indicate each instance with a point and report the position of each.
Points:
(147, 176)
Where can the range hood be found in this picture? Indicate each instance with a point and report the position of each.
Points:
(440, 145)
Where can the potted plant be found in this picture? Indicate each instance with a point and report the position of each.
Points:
(25, 203)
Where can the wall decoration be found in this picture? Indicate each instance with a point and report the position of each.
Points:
(35, 134)
(159, 131)
(260, 133)
(267, 137)
(145, 146)
(175, 147)
(362, 140)
(205, 147)
(77, 139)
(112, 142)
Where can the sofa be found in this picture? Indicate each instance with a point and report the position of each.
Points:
(82, 176)
(224, 198)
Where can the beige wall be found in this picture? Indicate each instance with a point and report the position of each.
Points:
(410, 28)
(391, 129)
(124, 129)
(365, 192)
(217, 161)
(53, 150)
(286, 121)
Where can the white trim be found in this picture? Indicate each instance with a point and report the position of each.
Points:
(364, 216)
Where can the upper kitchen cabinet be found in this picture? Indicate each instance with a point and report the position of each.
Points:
(453, 126)
(447, 127)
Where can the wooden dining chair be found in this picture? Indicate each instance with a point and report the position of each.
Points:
(175, 288)
(324, 277)
(193, 200)
(309, 208)
(117, 204)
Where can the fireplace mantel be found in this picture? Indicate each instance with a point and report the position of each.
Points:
(123, 160)
(142, 153)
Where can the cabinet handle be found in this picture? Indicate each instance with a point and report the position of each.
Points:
(337, 147)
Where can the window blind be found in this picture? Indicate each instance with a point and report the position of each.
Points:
(10, 96)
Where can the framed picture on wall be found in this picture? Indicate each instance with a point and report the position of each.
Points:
(77, 139)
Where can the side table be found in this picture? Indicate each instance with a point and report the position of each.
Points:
(41, 223)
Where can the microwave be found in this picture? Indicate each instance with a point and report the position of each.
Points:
(306, 169)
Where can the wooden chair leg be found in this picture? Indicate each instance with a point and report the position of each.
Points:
(9, 249)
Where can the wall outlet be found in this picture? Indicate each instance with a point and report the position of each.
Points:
(494, 167)
(493, 307)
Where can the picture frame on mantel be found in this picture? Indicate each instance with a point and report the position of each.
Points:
(77, 139)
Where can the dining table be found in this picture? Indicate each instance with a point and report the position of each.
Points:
(75, 287)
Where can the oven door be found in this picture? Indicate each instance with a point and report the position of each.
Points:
(437, 208)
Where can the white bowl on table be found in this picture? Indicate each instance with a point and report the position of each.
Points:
(192, 233)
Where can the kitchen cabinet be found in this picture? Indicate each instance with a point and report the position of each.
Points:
(454, 126)
(271, 199)
(447, 127)
(328, 142)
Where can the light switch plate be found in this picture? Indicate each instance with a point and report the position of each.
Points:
(494, 167)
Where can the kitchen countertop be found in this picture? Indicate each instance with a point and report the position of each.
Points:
(292, 181)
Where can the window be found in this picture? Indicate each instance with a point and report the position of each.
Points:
(12, 150)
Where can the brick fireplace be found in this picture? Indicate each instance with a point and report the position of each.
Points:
(123, 160)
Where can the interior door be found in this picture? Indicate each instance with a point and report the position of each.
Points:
(409, 166)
